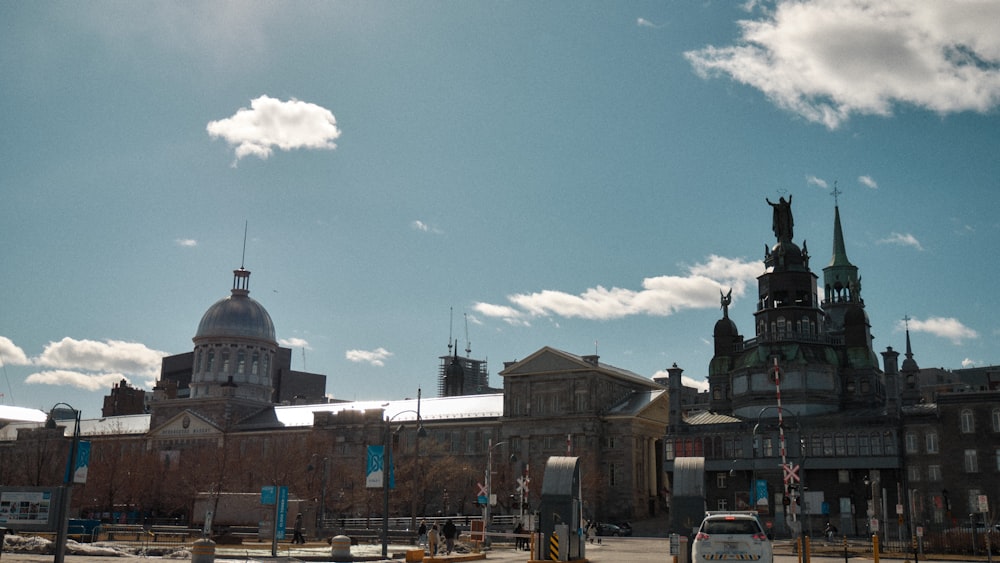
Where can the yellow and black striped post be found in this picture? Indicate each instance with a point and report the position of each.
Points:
(554, 547)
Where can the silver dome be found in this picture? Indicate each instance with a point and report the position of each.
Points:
(236, 316)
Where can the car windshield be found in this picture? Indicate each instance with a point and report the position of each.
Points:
(731, 527)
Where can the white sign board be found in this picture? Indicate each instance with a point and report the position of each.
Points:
(984, 503)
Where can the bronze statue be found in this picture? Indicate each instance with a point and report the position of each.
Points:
(782, 222)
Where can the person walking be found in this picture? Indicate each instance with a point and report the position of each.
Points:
(450, 531)
(297, 537)
(432, 540)
(422, 534)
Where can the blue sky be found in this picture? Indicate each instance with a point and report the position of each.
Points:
(582, 175)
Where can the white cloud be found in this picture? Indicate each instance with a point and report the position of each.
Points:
(85, 381)
(827, 60)
(902, 240)
(943, 327)
(374, 357)
(659, 296)
(868, 181)
(270, 123)
(295, 343)
(108, 356)
(643, 22)
(418, 225)
(814, 181)
(699, 384)
(186, 242)
(969, 363)
(11, 354)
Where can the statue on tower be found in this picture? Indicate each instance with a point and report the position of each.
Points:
(782, 221)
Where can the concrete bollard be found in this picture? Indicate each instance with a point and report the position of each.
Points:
(340, 548)
(203, 551)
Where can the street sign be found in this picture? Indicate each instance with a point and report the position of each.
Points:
(791, 472)
(482, 490)
(984, 503)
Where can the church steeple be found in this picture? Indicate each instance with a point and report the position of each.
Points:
(841, 282)
(910, 372)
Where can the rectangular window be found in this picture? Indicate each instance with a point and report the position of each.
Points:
(932, 442)
(971, 463)
(863, 445)
(998, 459)
(913, 472)
(966, 422)
(843, 476)
(612, 475)
(668, 449)
(720, 480)
(933, 472)
(840, 444)
(911, 442)
(828, 446)
(768, 447)
(723, 504)
(995, 417)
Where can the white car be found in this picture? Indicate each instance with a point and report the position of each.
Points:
(731, 536)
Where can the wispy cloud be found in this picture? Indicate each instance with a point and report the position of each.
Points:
(186, 242)
(868, 181)
(827, 60)
(659, 296)
(949, 328)
(91, 364)
(271, 123)
(643, 22)
(902, 239)
(814, 181)
(295, 343)
(418, 225)
(79, 380)
(374, 357)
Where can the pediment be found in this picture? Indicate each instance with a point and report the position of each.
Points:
(186, 424)
(548, 360)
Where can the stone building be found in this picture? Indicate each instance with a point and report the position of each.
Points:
(800, 415)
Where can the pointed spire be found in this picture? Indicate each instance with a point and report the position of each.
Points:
(839, 250)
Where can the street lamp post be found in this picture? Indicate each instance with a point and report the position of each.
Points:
(387, 471)
(489, 486)
(62, 528)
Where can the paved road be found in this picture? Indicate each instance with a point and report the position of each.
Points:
(612, 550)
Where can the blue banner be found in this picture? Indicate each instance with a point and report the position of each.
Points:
(82, 462)
(282, 512)
(375, 471)
(761, 491)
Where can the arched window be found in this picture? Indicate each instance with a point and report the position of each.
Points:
(210, 365)
(241, 362)
(995, 417)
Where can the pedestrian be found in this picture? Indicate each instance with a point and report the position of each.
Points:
(297, 537)
(422, 534)
(433, 537)
(519, 542)
(450, 531)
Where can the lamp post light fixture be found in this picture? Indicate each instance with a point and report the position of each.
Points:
(62, 526)
(489, 486)
(387, 471)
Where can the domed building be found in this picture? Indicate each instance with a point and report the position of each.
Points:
(237, 368)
